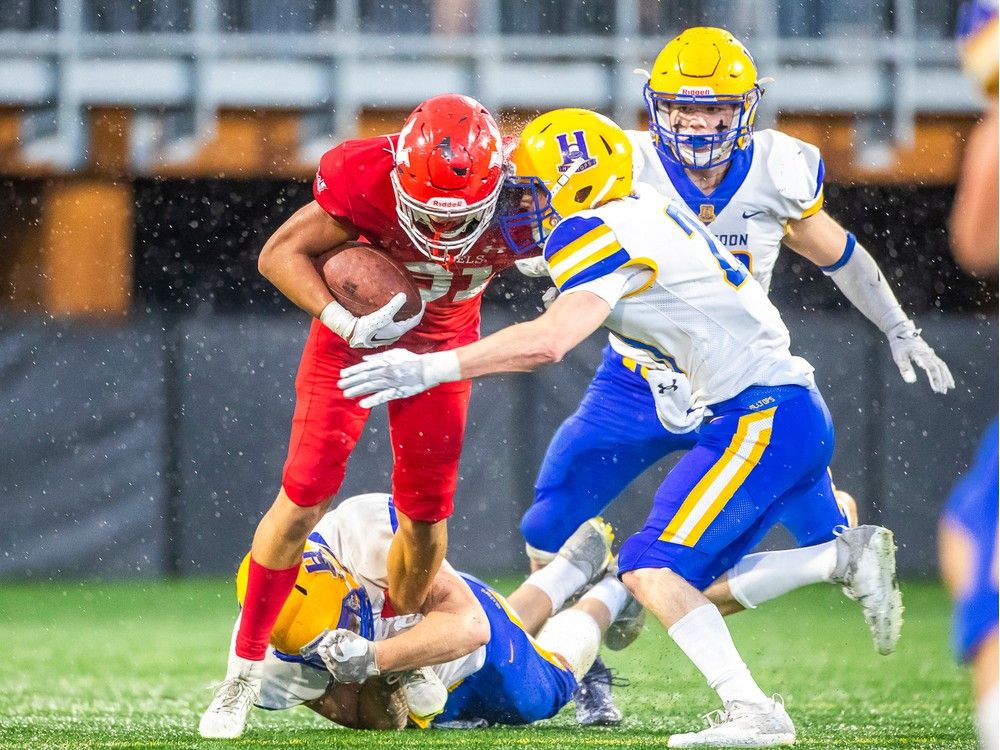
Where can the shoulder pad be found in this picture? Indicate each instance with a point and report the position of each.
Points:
(795, 167)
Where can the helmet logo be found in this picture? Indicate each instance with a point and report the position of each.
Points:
(449, 165)
(573, 152)
(459, 168)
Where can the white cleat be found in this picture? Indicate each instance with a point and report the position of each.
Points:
(589, 548)
(742, 725)
(627, 626)
(424, 693)
(226, 716)
(866, 568)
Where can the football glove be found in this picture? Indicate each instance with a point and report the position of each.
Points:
(347, 656)
(397, 373)
(549, 297)
(374, 329)
(909, 349)
(534, 268)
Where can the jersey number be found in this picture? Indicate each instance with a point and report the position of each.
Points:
(735, 274)
(436, 281)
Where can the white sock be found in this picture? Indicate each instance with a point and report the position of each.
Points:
(987, 724)
(767, 575)
(237, 666)
(703, 636)
(575, 636)
(611, 593)
(560, 579)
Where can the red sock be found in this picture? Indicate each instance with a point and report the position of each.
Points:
(267, 591)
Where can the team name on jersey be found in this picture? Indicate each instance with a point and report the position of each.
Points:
(733, 240)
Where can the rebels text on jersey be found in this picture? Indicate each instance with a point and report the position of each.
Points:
(352, 185)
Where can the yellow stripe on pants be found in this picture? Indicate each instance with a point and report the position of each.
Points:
(707, 499)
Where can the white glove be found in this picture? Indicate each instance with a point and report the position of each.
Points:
(372, 330)
(532, 267)
(549, 297)
(397, 373)
(908, 349)
(347, 656)
(672, 395)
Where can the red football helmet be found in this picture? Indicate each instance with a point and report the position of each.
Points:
(447, 175)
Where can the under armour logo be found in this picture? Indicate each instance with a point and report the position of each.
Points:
(662, 388)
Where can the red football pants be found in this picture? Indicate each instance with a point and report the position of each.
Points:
(426, 432)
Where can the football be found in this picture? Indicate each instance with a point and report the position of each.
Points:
(363, 278)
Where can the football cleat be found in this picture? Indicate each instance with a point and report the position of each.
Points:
(589, 549)
(424, 693)
(226, 716)
(742, 725)
(595, 704)
(627, 626)
(866, 570)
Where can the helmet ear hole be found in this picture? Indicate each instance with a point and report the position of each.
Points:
(583, 193)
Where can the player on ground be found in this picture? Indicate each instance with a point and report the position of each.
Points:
(641, 265)
(482, 646)
(968, 534)
(753, 191)
(427, 196)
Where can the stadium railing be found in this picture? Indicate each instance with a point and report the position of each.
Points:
(177, 62)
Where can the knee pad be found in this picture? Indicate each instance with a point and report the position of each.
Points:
(575, 636)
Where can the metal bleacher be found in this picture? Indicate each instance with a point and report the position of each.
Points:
(177, 62)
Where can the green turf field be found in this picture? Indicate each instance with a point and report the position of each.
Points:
(126, 666)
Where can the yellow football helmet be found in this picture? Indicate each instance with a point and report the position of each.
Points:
(326, 596)
(708, 67)
(566, 161)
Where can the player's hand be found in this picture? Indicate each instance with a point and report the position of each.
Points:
(909, 349)
(549, 297)
(534, 268)
(392, 331)
(397, 373)
(372, 330)
(347, 656)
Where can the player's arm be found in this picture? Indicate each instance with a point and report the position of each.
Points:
(840, 256)
(287, 262)
(591, 270)
(526, 346)
(399, 373)
(286, 259)
(974, 216)
(454, 625)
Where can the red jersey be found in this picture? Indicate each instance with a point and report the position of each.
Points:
(353, 184)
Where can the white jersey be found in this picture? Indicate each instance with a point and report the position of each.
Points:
(358, 532)
(779, 179)
(698, 312)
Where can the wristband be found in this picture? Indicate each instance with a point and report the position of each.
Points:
(338, 319)
(441, 367)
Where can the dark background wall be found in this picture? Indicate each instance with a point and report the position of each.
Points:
(153, 447)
